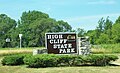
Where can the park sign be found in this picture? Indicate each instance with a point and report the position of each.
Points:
(61, 43)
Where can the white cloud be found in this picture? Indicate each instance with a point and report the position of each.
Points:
(89, 22)
(103, 2)
(92, 17)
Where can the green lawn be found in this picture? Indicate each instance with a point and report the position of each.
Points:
(106, 48)
(88, 69)
(22, 48)
(81, 69)
(10, 51)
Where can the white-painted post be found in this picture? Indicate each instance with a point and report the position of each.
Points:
(20, 36)
(78, 46)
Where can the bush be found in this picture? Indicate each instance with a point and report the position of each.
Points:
(41, 61)
(68, 60)
(52, 60)
(101, 60)
(13, 60)
(64, 59)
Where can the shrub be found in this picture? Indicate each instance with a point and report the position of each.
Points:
(41, 61)
(13, 60)
(52, 60)
(64, 60)
(101, 60)
(68, 60)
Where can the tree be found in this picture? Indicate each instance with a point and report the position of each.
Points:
(116, 33)
(103, 39)
(103, 30)
(80, 32)
(34, 24)
(31, 16)
(101, 24)
(108, 24)
(118, 20)
(100, 28)
(91, 34)
(63, 26)
(39, 28)
(108, 29)
(6, 24)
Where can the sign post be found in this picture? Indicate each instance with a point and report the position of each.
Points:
(20, 36)
(61, 43)
(7, 42)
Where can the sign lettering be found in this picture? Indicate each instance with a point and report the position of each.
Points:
(61, 43)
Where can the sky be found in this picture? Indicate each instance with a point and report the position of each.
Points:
(78, 13)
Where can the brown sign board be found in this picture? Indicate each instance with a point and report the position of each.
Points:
(61, 43)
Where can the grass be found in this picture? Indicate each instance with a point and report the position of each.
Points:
(110, 48)
(96, 49)
(106, 48)
(81, 69)
(17, 51)
(22, 48)
(10, 51)
(87, 69)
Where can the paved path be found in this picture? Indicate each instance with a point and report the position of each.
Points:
(117, 62)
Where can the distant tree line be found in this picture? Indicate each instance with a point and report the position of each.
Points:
(106, 32)
(34, 24)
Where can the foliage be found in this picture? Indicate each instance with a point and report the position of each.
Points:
(31, 16)
(103, 39)
(118, 20)
(116, 33)
(14, 51)
(104, 32)
(80, 32)
(33, 25)
(106, 48)
(13, 60)
(102, 60)
(41, 61)
(68, 60)
(63, 26)
(52, 60)
(6, 25)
